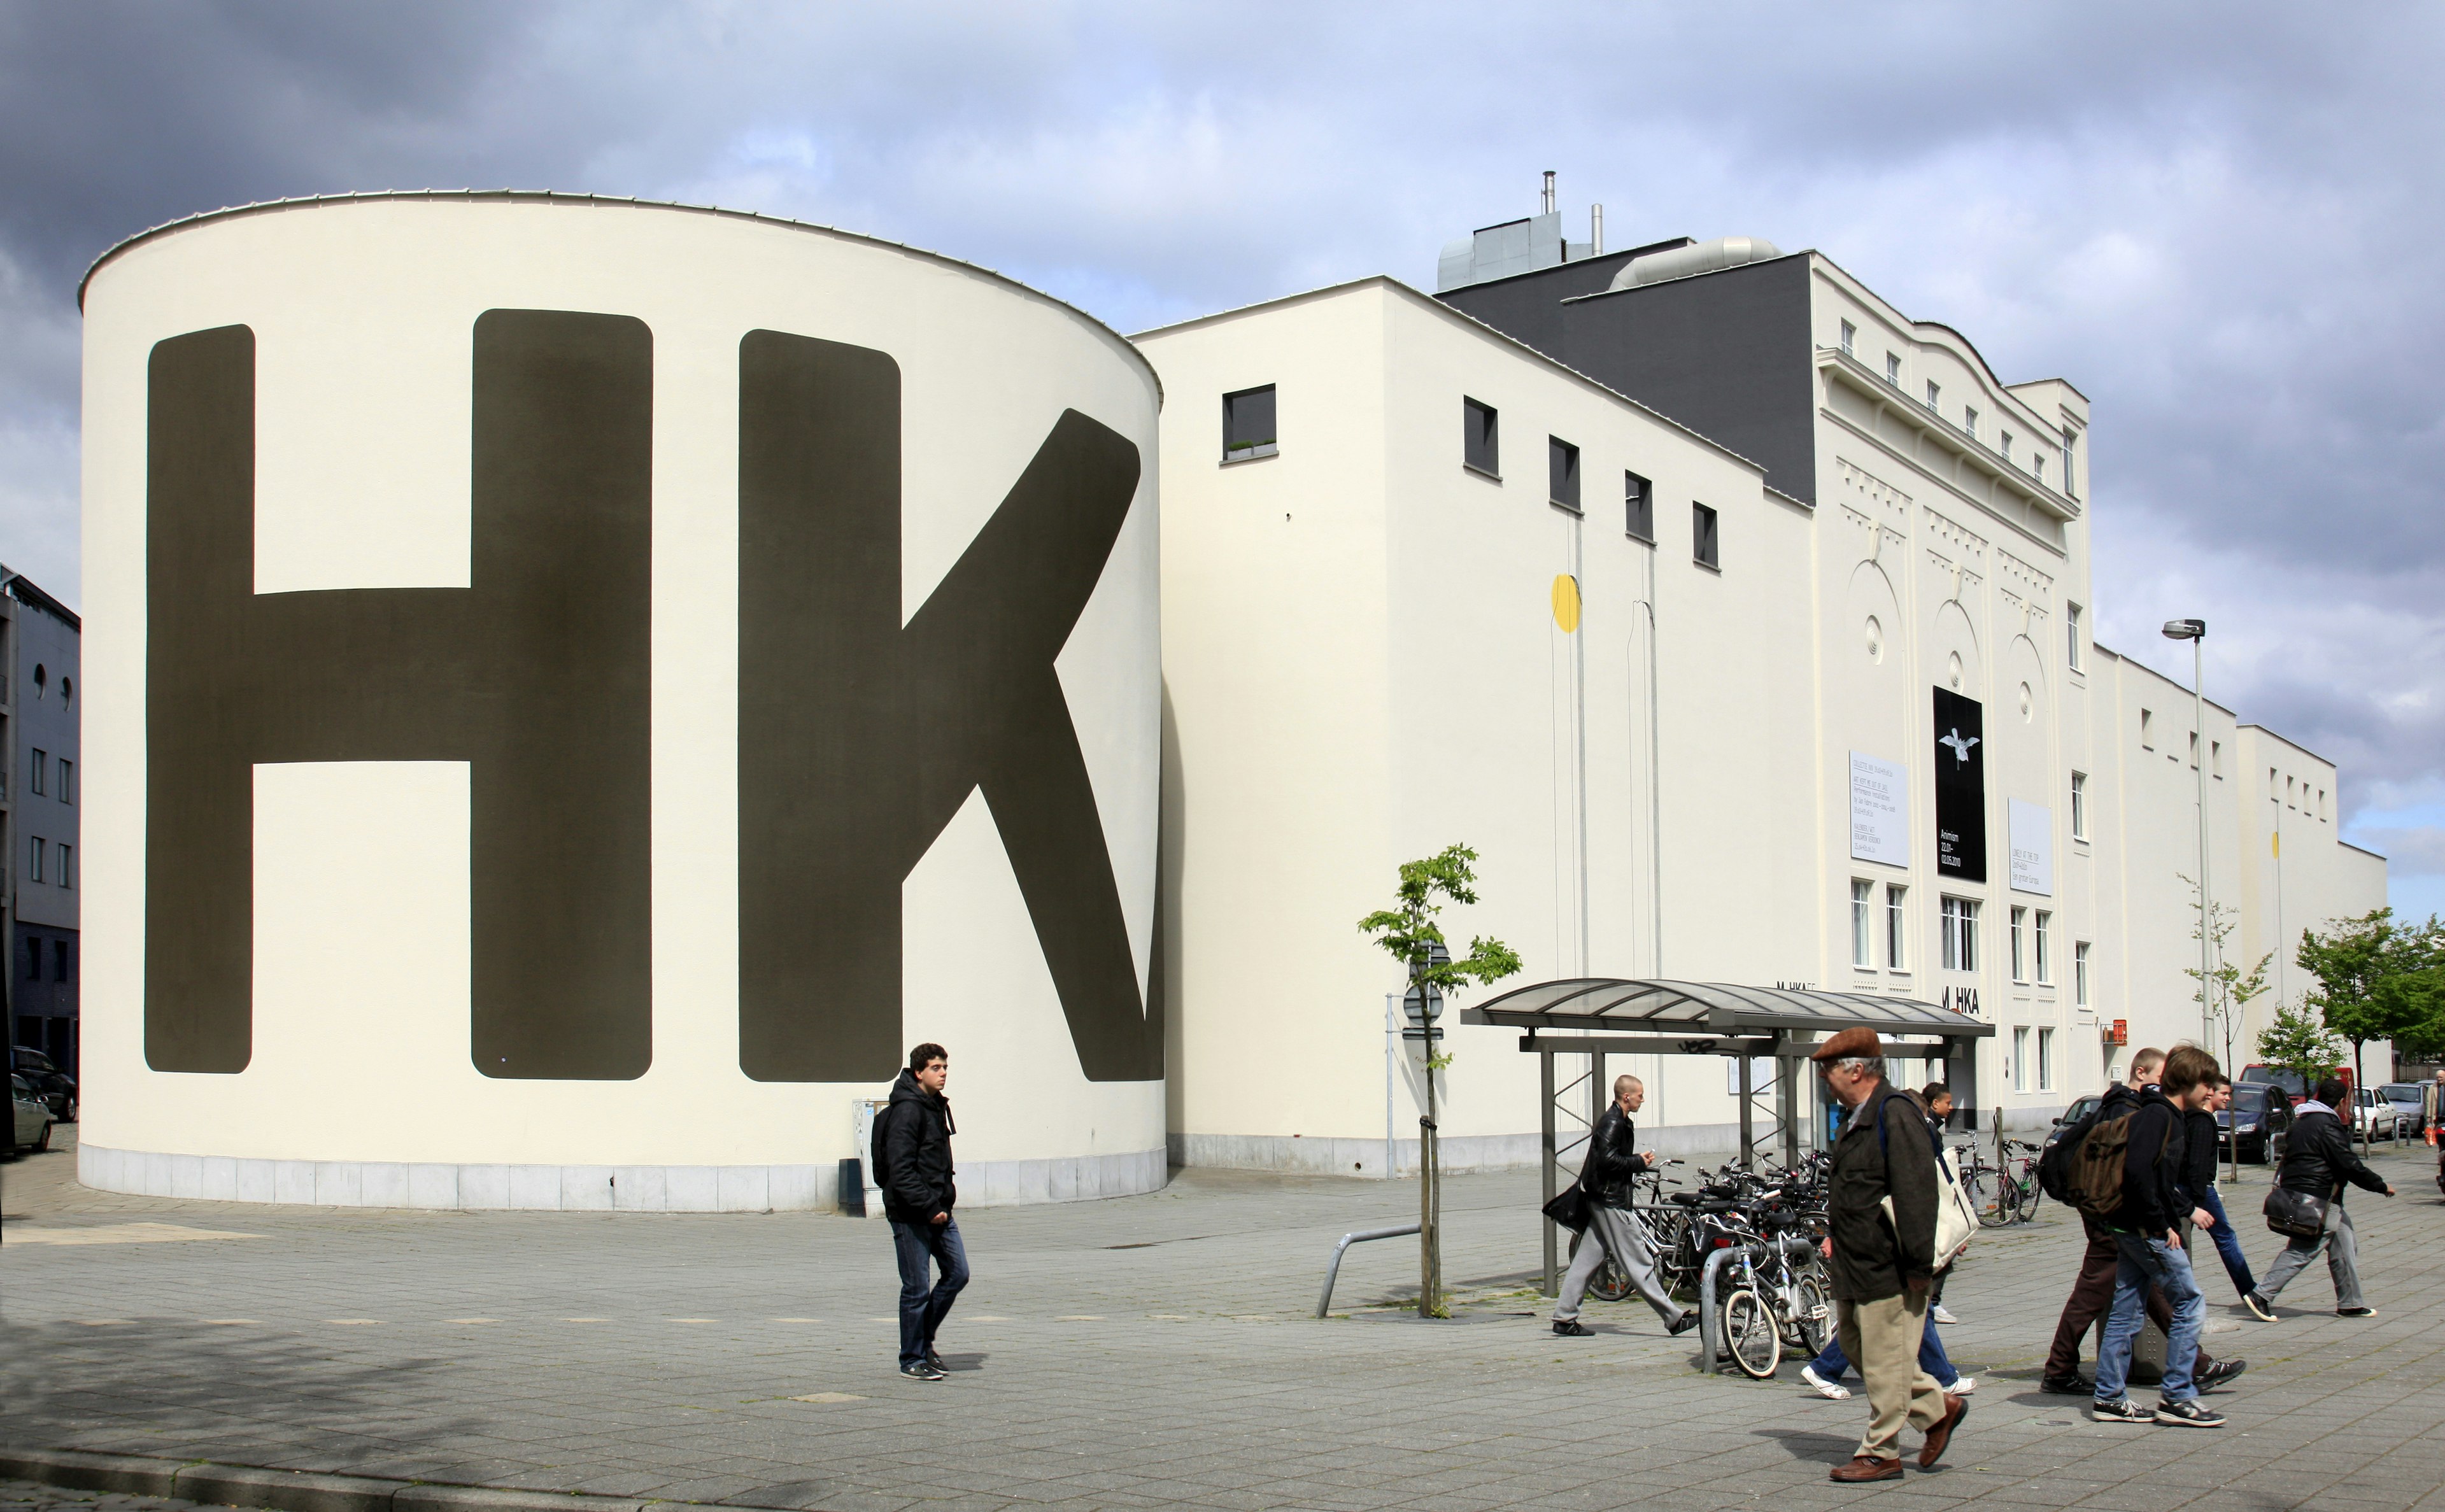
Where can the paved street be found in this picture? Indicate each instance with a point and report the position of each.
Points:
(1140, 1351)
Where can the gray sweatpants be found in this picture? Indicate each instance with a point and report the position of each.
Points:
(2342, 1259)
(1613, 1231)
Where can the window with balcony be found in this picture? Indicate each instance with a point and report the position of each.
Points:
(1850, 333)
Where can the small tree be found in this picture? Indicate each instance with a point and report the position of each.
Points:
(1409, 931)
(2298, 1040)
(2225, 991)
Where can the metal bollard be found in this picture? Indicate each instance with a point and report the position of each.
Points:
(1710, 1342)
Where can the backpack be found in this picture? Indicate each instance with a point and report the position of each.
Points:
(2054, 1163)
(875, 1175)
(1956, 1219)
(2094, 1181)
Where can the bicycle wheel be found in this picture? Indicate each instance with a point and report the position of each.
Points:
(1989, 1196)
(1813, 1322)
(1750, 1335)
(1610, 1282)
(2030, 1192)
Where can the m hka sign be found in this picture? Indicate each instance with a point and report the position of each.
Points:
(858, 736)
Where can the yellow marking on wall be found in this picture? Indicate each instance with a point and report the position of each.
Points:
(1566, 603)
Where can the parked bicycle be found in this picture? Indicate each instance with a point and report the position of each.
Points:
(2001, 1194)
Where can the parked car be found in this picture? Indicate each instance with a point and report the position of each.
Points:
(2291, 1081)
(2080, 1107)
(2373, 1117)
(2405, 1095)
(2261, 1118)
(52, 1085)
(29, 1121)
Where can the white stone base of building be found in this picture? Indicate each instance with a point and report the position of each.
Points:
(589, 1188)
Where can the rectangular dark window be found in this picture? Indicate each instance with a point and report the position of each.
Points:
(1638, 507)
(59, 961)
(1563, 473)
(68, 780)
(1703, 544)
(67, 878)
(1481, 438)
(39, 770)
(1248, 423)
(35, 872)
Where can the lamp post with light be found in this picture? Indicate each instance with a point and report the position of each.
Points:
(2195, 631)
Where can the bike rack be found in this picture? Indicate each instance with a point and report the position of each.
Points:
(1333, 1271)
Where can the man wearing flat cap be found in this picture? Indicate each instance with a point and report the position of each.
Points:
(1883, 1256)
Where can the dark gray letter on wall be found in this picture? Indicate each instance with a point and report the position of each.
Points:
(858, 740)
(536, 675)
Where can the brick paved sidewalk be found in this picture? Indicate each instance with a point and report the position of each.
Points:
(1141, 1352)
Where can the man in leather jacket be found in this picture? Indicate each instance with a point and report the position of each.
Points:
(1605, 1178)
(2318, 1161)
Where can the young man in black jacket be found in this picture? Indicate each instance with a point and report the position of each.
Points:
(2199, 1123)
(2319, 1160)
(913, 1136)
(1613, 1160)
(2150, 1252)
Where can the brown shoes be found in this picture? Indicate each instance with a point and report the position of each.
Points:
(1867, 1467)
(1955, 1409)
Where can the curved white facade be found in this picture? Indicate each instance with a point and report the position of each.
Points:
(561, 669)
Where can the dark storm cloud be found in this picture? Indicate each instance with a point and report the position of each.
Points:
(2216, 221)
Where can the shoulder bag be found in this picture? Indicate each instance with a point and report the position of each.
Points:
(2295, 1215)
(1570, 1209)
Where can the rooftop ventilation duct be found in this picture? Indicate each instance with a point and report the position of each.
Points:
(1705, 257)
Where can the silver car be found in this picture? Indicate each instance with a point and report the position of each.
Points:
(30, 1123)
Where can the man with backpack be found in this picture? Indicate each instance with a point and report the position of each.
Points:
(1882, 1220)
(2317, 1162)
(2147, 1241)
(912, 1165)
(2101, 1260)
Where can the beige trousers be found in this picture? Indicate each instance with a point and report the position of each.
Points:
(1882, 1338)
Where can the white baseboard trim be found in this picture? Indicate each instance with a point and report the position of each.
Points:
(587, 1188)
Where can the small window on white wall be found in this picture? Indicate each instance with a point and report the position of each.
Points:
(2046, 1059)
(2021, 1059)
(2080, 974)
(1897, 927)
(2079, 805)
(1863, 934)
(2019, 959)
(2046, 947)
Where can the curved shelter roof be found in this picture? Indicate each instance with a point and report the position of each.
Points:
(1604, 1004)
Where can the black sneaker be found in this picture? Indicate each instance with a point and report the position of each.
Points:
(2260, 1308)
(2073, 1384)
(1574, 1329)
(923, 1371)
(2356, 1311)
(2192, 1413)
(1688, 1320)
(2121, 1409)
(2215, 1374)
(935, 1361)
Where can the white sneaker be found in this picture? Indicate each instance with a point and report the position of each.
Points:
(1831, 1391)
(1942, 1315)
(1962, 1387)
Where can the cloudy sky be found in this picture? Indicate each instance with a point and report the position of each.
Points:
(2221, 222)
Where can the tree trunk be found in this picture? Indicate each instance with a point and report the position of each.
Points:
(1430, 1257)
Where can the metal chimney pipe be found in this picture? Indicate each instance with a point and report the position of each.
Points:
(1546, 208)
(1595, 231)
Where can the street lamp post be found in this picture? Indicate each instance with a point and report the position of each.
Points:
(2195, 631)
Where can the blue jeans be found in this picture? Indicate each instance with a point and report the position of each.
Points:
(2227, 1244)
(922, 1307)
(1831, 1362)
(2144, 1262)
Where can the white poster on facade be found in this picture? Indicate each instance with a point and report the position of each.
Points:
(2033, 849)
(1879, 811)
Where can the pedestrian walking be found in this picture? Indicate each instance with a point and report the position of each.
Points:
(1938, 1099)
(2150, 1252)
(2199, 1123)
(1881, 1220)
(1824, 1373)
(912, 1156)
(1613, 1228)
(2092, 1291)
(2317, 1162)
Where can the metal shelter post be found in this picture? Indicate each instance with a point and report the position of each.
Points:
(1545, 1103)
(1748, 1112)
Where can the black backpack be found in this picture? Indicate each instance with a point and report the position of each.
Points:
(2054, 1165)
(875, 1174)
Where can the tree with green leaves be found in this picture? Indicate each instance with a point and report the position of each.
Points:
(2225, 991)
(1407, 930)
(2298, 1040)
(2375, 979)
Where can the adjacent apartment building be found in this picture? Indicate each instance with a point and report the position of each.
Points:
(1738, 620)
(38, 814)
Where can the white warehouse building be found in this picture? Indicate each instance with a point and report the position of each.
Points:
(1663, 580)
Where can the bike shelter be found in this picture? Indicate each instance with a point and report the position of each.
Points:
(1587, 1019)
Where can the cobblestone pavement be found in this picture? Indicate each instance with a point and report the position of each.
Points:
(1140, 1351)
